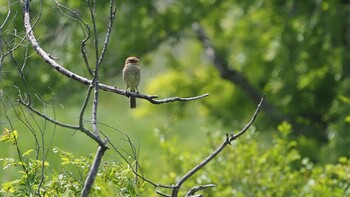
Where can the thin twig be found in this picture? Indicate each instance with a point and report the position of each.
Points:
(162, 194)
(112, 12)
(127, 161)
(84, 106)
(235, 136)
(156, 185)
(46, 117)
(2, 56)
(12, 128)
(84, 52)
(45, 154)
(21, 74)
(86, 34)
(87, 132)
(92, 15)
(7, 16)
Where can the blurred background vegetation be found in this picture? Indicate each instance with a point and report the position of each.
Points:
(295, 52)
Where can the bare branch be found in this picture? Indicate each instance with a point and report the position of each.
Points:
(215, 153)
(233, 137)
(198, 188)
(94, 108)
(112, 12)
(172, 99)
(83, 108)
(83, 50)
(162, 194)
(92, 14)
(93, 171)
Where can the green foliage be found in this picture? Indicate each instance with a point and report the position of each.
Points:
(9, 136)
(253, 168)
(113, 178)
(295, 52)
(35, 177)
(29, 171)
(250, 167)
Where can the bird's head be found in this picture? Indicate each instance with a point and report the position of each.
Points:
(132, 60)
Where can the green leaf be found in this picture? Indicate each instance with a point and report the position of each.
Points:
(9, 136)
(344, 99)
(65, 161)
(27, 152)
(285, 128)
(347, 119)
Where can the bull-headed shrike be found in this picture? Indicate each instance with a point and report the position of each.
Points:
(132, 77)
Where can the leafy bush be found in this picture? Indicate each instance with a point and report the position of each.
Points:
(247, 168)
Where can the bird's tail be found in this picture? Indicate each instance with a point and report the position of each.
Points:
(132, 102)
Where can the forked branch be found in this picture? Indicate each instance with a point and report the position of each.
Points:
(226, 142)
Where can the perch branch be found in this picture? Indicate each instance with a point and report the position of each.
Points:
(49, 60)
(172, 99)
(198, 188)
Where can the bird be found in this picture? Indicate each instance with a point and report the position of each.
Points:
(131, 77)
